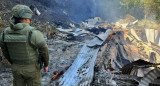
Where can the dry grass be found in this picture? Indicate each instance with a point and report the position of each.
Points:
(45, 27)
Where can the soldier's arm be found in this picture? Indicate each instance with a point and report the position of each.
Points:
(38, 40)
(4, 48)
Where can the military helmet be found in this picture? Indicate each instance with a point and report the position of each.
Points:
(21, 11)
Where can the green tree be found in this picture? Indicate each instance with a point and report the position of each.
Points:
(152, 7)
(133, 7)
(142, 8)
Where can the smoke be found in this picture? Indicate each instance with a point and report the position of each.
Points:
(108, 10)
(84, 9)
(80, 10)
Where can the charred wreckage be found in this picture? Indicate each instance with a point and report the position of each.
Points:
(116, 57)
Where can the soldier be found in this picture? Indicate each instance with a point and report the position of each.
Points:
(22, 45)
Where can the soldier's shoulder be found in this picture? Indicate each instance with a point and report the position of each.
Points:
(30, 28)
(33, 28)
(8, 28)
(36, 32)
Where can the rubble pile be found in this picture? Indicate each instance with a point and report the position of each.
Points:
(120, 58)
(132, 61)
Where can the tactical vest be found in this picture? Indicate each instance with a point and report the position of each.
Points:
(19, 48)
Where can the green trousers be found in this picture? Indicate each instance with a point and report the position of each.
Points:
(26, 75)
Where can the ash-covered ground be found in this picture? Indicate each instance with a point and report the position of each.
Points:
(61, 56)
(62, 53)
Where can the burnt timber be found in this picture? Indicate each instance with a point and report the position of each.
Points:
(125, 53)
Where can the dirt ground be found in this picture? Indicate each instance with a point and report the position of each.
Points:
(62, 54)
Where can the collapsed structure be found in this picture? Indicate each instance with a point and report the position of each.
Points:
(116, 57)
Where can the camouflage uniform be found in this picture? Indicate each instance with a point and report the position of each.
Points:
(22, 45)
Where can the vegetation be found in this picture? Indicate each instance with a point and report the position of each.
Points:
(4, 14)
(148, 9)
(45, 27)
(132, 7)
(149, 24)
